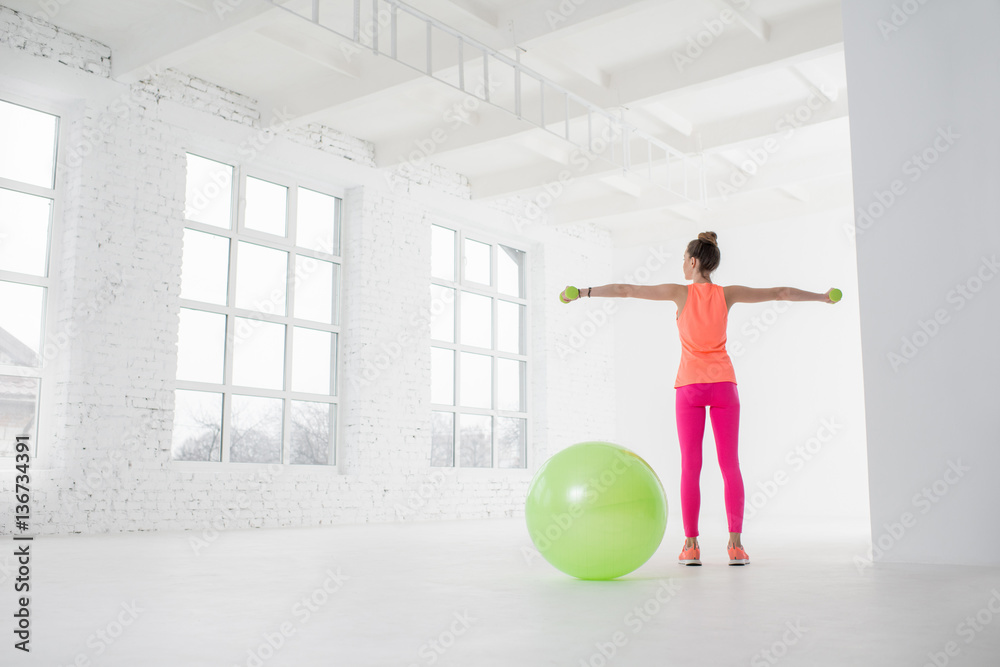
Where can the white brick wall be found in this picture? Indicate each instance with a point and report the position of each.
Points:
(108, 467)
(202, 95)
(35, 36)
(331, 141)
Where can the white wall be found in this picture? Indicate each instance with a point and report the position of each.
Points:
(798, 370)
(104, 452)
(917, 71)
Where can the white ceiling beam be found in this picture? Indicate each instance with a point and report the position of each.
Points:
(650, 82)
(689, 212)
(787, 174)
(671, 118)
(655, 126)
(398, 149)
(479, 11)
(550, 148)
(778, 122)
(173, 37)
(831, 193)
(309, 46)
(749, 131)
(608, 209)
(727, 157)
(735, 56)
(567, 62)
(531, 177)
(622, 184)
(544, 20)
(378, 82)
(753, 22)
(817, 82)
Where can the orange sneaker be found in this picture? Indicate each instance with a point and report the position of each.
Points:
(737, 556)
(689, 556)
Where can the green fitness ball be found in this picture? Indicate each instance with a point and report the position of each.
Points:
(835, 294)
(572, 293)
(596, 510)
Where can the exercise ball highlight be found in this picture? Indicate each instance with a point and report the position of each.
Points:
(596, 510)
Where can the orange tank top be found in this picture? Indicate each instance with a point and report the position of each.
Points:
(702, 328)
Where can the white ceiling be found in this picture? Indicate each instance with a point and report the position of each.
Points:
(771, 61)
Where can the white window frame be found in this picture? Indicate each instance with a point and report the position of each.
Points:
(45, 429)
(241, 170)
(459, 285)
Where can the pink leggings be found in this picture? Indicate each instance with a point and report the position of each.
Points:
(725, 413)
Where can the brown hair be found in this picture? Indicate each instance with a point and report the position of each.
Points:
(705, 249)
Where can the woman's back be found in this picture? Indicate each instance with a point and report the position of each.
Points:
(701, 324)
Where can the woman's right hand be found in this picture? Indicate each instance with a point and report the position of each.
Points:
(569, 294)
(829, 299)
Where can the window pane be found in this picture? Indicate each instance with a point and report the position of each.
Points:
(442, 313)
(21, 308)
(477, 320)
(442, 253)
(205, 271)
(317, 222)
(255, 430)
(477, 441)
(24, 231)
(442, 439)
(510, 385)
(201, 346)
(476, 389)
(510, 271)
(197, 426)
(266, 207)
(28, 138)
(510, 327)
(259, 354)
(19, 396)
(442, 376)
(261, 277)
(311, 361)
(209, 192)
(313, 426)
(314, 289)
(477, 262)
(511, 441)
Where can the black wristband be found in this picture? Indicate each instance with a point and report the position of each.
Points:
(588, 291)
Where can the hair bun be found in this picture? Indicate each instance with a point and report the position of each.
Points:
(709, 237)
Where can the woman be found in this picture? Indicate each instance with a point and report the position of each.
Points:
(706, 378)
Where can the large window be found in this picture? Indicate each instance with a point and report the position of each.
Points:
(28, 144)
(479, 363)
(259, 319)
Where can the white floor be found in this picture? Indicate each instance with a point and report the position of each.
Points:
(471, 593)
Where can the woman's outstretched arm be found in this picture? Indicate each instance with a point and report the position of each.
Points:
(741, 294)
(664, 292)
(793, 294)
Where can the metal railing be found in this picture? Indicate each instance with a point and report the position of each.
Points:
(376, 25)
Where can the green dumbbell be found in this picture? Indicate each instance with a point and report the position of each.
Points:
(571, 293)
